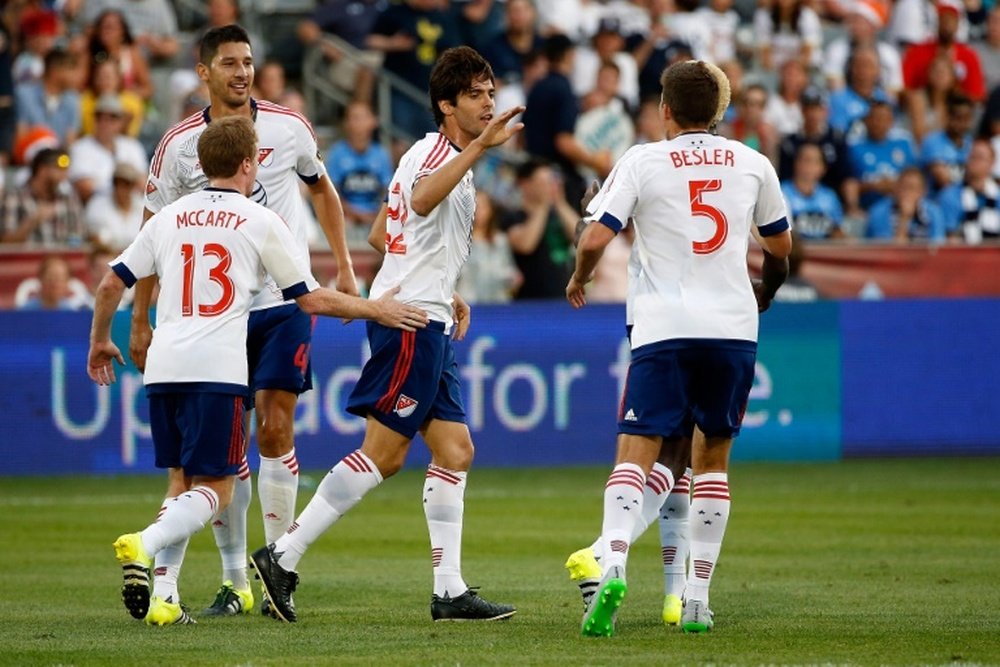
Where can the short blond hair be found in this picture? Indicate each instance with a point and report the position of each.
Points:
(725, 92)
(224, 145)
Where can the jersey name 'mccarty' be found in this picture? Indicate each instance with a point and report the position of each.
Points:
(210, 218)
(697, 157)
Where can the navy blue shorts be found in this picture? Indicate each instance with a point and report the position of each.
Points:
(411, 378)
(197, 430)
(278, 342)
(674, 384)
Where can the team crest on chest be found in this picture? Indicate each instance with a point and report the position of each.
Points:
(265, 157)
(405, 406)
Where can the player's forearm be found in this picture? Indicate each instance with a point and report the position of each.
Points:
(324, 301)
(143, 298)
(106, 300)
(433, 188)
(773, 273)
(330, 215)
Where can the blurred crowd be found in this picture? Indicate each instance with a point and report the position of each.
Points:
(882, 118)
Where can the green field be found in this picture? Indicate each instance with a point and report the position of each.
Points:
(865, 562)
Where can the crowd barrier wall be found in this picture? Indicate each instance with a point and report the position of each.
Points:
(542, 383)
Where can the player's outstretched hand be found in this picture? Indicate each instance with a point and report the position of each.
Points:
(462, 314)
(497, 132)
(574, 292)
(398, 315)
(139, 340)
(763, 300)
(100, 362)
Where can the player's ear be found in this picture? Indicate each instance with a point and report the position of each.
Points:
(446, 107)
(202, 71)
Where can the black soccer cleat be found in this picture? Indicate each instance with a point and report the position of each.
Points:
(278, 583)
(469, 607)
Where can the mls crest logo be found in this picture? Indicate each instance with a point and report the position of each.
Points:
(265, 156)
(405, 406)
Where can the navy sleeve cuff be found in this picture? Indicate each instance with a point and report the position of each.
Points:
(295, 291)
(773, 228)
(611, 222)
(310, 180)
(123, 272)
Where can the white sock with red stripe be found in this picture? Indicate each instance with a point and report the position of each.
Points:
(674, 537)
(444, 506)
(183, 516)
(622, 507)
(341, 489)
(709, 516)
(277, 487)
(167, 570)
(658, 484)
(230, 530)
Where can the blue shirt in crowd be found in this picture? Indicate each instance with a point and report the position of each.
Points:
(872, 160)
(360, 178)
(814, 216)
(928, 224)
(937, 147)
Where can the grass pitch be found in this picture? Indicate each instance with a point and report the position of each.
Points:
(863, 562)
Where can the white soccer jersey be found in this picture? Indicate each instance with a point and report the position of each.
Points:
(692, 200)
(424, 254)
(211, 250)
(287, 152)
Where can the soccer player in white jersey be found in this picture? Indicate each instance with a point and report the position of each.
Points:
(411, 382)
(280, 332)
(694, 199)
(211, 250)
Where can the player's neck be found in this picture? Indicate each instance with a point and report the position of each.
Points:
(234, 183)
(674, 131)
(455, 135)
(218, 109)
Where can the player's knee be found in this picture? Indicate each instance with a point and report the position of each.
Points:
(456, 456)
(275, 435)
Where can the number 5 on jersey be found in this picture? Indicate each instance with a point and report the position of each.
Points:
(216, 274)
(700, 209)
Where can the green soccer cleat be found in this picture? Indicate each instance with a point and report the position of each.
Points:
(599, 619)
(672, 610)
(697, 617)
(135, 564)
(230, 602)
(164, 612)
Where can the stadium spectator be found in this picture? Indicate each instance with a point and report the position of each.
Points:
(113, 218)
(411, 34)
(44, 210)
(53, 101)
(111, 39)
(815, 209)
(550, 121)
(972, 207)
(908, 213)
(270, 84)
(106, 79)
(8, 114)
(917, 58)
(943, 154)
(988, 49)
(723, 22)
(605, 124)
(784, 109)
(93, 157)
(577, 19)
(489, 275)
(53, 288)
(541, 232)
(912, 22)
(666, 322)
(39, 30)
(864, 21)
(359, 166)
(749, 126)
(686, 23)
(927, 108)
(649, 121)
(816, 129)
(657, 47)
(879, 156)
(607, 45)
(352, 21)
(478, 21)
(152, 23)
(850, 104)
(424, 253)
(787, 30)
(196, 392)
(506, 51)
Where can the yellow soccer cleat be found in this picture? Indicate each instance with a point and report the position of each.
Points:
(672, 610)
(583, 565)
(165, 612)
(135, 564)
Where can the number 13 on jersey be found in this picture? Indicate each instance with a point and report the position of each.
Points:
(217, 274)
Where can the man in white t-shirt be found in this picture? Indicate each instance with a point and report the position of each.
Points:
(411, 383)
(694, 199)
(93, 157)
(211, 250)
(280, 333)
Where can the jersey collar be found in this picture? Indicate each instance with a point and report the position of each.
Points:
(253, 112)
